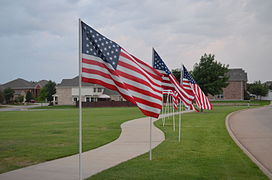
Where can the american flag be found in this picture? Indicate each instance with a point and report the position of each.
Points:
(170, 82)
(189, 83)
(104, 62)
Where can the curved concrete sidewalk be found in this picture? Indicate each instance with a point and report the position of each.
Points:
(251, 129)
(133, 141)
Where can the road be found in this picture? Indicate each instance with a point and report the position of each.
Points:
(21, 108)
(252, 131)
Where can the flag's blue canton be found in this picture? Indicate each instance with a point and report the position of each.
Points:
(188, 76)
(95, 44)
(159, 64)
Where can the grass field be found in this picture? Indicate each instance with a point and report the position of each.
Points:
(205, 152)
(31, 137)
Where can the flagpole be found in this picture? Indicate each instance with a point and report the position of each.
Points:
(180, 109)
(174, 121)
(181, 103)
(150, 139)
(164, 111)
(150, 119)
(162, 108)
(166, 108)
(80, 102)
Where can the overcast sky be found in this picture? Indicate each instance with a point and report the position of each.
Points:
(39, 38)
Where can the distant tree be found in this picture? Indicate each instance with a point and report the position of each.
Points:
(258, 89)
(177, 73)
(48, 91)
(29, 96)
(210, 75)
(42, 95)
(1, 97)
(8, 95)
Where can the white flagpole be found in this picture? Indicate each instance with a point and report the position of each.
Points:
(165, 109)
(80, 102)
(162, 108)
(181, 103)
(180, 109)
(150, 119)
(150, 139)
(174, 121)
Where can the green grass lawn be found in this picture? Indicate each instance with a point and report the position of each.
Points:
(31, 137)
(205, 152)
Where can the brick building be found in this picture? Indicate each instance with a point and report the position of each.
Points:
(236, 88)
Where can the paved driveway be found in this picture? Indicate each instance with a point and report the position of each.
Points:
(252, 128)
(21, 108)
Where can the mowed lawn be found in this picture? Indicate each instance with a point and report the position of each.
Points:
(206, 152)
(30, 137)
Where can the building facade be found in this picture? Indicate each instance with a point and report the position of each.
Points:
(67, 93)
(236, 88)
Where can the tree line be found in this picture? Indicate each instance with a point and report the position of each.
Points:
(46, 94)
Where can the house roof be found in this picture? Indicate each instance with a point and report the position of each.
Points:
(237, 75)
(42, 83)
(22, 84)
(74, 82)
(17, 84)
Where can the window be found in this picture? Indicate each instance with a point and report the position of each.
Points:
(220, 96)
(94, 89)
(93, 99)
(56, 98)
(87, 99)
(99, 89)
(75, 99)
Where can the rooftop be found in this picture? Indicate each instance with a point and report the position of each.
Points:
(74, 82)
(22, 84)
(237, 75)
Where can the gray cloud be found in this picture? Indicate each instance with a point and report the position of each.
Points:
(39, 39)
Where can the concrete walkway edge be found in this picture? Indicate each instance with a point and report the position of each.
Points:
(244, 149)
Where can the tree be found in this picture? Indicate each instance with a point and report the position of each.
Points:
(210, 75)
(1, 97)
(48, 91)
(42, 95)
(176, 73)
(8, 95)
(29, 96)
(258, 89)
